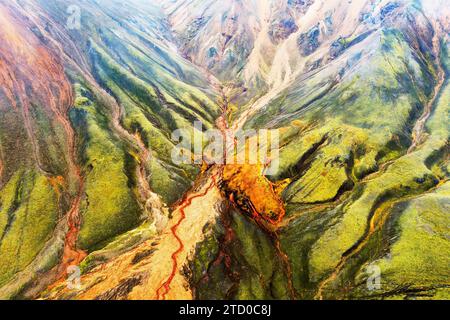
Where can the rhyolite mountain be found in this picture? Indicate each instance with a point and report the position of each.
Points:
(358, 91)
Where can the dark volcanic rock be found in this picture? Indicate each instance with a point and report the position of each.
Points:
(282, 28)
(311, 66)
(309, 42)
(341, 44)
(122, 290)
(387, 9)
(195, 27)
(300, 5)
(337, 47)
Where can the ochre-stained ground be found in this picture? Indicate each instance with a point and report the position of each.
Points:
(152, 270)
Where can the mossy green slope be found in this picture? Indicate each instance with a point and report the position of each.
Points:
(28, 215)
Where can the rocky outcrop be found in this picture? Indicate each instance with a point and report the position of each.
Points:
(281, 28)
(308, 42)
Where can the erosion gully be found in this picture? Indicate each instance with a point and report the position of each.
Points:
(71, 254)
(164, 289)
(381, 214)
(419, 128)
(217, 180)
(49, 70)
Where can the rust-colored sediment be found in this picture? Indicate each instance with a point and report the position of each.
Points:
(40, 79)
(72, 256)
(159, 272)
(163, 290)
(419, 127)
(249, 189)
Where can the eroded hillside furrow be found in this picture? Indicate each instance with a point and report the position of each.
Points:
(164, 289)
(418, 132)
(41, 82)
(419, 127)
(72, 256)
(1, 169)
(248, 192)
(376, 222)
(154, 208)
(32, 137)
(286, 263)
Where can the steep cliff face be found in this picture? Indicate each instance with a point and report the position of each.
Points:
(91, 92)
